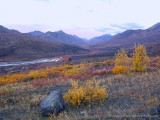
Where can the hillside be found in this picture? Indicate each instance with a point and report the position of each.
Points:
(100, 38)
(18, 46)
(148, 37)
(60, 36)
(5, 30)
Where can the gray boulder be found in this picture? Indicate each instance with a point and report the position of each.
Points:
(53, 103)
(158, 110)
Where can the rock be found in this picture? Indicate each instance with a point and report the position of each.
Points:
(153, 112)
(53, 103)
(158, 110)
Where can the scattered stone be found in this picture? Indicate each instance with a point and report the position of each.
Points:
(53, 103)
(83, 113)
(143, 115)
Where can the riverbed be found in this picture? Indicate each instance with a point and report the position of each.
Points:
(5, 64)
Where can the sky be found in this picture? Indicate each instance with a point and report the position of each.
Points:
(84, 18)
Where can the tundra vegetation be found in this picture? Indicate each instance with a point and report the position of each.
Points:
(121, 87)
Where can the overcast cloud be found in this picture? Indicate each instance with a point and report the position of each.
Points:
(85, 18)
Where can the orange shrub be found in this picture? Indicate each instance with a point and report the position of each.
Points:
(158, 63)
(12, 78)
(117, 70)
(34, 74)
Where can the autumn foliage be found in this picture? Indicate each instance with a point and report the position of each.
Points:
(140, 58)
(158, 63)
(34, 74)
(122, 63)
(87, 93)
(84, 71)
(68, 71)
(117, 70)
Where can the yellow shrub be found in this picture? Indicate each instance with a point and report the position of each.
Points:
(140, 58)
(121, 58)
(109, 62)
(74, 71)
(152, 100)
(158, 63)
(90, 92)
(80, 69)
(33, 74)
(122, 63)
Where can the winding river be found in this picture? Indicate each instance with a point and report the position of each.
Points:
(5, 64)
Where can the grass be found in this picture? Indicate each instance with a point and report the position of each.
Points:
(132, 95)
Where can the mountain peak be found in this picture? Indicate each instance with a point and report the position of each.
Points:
(60, 31)
(57, 32)
(5, 30)
(1, 27)
(100, 38)
(36, 33)
(155, 27)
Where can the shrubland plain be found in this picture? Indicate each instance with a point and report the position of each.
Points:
(125, 86)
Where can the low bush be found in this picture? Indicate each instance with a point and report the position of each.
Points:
(121, 69)
(158, 63)
(140, 58)
(123, 64)
(117, 70)
(90, 92)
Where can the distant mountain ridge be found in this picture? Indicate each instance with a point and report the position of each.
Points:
(100, 38)
(83, 39)
(148, 37)
(155, 27)
(15, 45)
(36, 33)
(59, 36)
(19, 46)
(6, 30)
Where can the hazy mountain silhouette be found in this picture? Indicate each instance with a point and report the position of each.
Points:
(18, 46)
(148, 37)
(60, 36)
(100, 38)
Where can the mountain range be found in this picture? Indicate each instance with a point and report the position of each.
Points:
(100, 38)
(7, 31)
(15, 45)
(59, 36)
(148, 37)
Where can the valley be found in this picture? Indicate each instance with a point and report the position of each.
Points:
(97, 79)
(79, 60)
